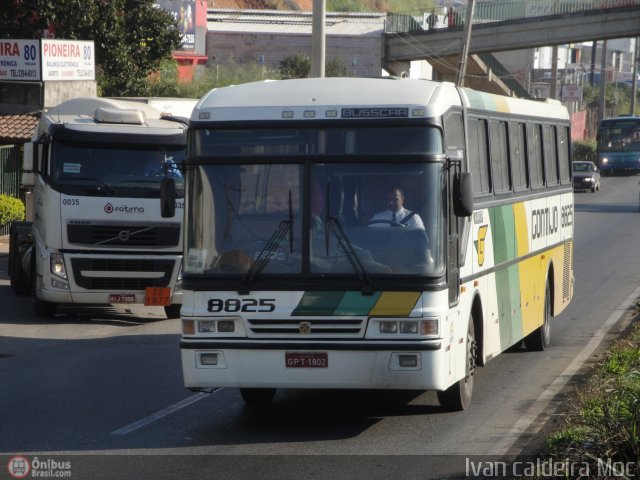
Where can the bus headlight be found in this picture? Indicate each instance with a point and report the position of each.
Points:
(57, 265)
(605, 160)
(399, 327)
(218, 327)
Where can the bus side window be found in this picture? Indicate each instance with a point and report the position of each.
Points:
(564, 154)
(517, 156)
(478, 158)
(534, 155)
(550, 155)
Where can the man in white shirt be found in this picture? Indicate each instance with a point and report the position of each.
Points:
(396, 215)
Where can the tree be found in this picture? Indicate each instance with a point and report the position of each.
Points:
(295, 66)
(132, 37)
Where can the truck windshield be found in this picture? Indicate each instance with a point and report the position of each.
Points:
(114, 170)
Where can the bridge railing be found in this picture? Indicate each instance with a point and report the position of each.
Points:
(497, 11)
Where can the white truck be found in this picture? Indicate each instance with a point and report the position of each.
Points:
(95, 233)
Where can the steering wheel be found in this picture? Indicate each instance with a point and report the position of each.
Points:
(388, 222)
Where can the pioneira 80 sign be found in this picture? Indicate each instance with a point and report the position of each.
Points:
(47, 59)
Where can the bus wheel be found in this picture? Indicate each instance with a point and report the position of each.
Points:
(257, 396)
(173, 310)
(43, 308)
(540, 339)
(458, 396)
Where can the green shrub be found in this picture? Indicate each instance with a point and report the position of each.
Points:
(585, 150)
(11, 209)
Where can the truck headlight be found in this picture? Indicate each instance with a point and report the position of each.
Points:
(57, 265)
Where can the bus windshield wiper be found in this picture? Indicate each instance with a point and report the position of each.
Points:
(333, 225)
(284, 227)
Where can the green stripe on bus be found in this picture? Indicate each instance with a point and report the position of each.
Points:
(508, 280)
(318, 303)
(355, 303)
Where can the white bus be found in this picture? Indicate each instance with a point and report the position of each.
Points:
(95, 233)
(296, 273)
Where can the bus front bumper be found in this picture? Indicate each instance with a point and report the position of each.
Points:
(253, 364)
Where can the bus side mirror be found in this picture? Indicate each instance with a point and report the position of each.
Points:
(463, 195)
(167, 198)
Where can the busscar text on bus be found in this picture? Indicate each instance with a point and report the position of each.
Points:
(94, 232)
(291, 282)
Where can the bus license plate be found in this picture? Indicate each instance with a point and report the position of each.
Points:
(157, 296)
(122, 298)
(306, 359)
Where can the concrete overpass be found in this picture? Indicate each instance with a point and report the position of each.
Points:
(441, 47)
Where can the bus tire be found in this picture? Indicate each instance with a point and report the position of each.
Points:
(257, 396)
(173, 310)
(540, 339)
(43, 308)
(458, 396)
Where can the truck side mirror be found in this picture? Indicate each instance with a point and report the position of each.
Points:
(463, 194)
(27, 157)
(167, 198)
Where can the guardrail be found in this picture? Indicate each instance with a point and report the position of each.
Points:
(496, 11)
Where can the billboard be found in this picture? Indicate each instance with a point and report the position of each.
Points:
(184, 12)
(47, 59)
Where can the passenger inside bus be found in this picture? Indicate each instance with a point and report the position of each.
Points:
(396, 215)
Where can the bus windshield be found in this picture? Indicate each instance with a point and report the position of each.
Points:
(383, 219)
(114, 170)
(620, 136)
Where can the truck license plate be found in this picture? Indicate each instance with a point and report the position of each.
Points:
(306, 359)
(122, 298)
(157, 296)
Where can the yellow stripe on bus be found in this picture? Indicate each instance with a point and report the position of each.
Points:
(395, 304)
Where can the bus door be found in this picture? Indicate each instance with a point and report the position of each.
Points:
(454, 141)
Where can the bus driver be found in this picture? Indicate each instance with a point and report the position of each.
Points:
(396, 215)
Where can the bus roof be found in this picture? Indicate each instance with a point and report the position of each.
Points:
(269, 100)
(322, 98)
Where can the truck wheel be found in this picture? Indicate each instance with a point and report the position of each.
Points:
(20, 283)
(173, 310)
(458, 396)
(43, 308)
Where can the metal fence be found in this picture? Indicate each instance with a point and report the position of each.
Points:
(9, 175)
(500, 10)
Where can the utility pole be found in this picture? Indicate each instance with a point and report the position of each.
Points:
(553, 92)
(603, 83)
(466, 39)
(634, 80)
(318, 39)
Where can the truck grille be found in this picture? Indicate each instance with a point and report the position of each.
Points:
(93, 273)
(135, 235)
(307, 328)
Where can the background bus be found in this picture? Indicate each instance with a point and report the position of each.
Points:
(296, 275)
(619, 144)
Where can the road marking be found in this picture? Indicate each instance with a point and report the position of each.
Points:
(162, 413)
(542, 402)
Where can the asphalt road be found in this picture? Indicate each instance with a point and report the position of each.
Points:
(98, 392)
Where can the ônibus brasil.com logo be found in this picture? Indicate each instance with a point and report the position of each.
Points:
(21, 467)
(109, 208)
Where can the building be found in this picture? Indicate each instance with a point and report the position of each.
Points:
(266, 37)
